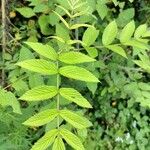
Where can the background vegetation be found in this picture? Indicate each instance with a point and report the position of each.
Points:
(121, 101)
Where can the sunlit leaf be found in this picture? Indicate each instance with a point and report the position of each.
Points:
(39, 65)
(77, 73)
(74, 96)
(74, 58)
(72, 139)
(109, 33)
(45, 141)
(44, 50)
(42, 118)
(40, 93)
(75, 120)
(127, 32)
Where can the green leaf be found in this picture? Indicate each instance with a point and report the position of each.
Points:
(102, 9)
(109, 33)
(72, 139)
(35, 80)
(40, 93)
(42, 118)
(74, 96)
(144, 102)
(75, 120)
(147, 34)
(43, 22)
(65, 10)
(25, 54)
(62, 32)
(62, 36)
(127, 32)
(92, 51)
(140, 31)
(62, 19)
(92, 87)
(78, 73)
(143, 65)
(41, 8)
(74, 58)
(20, 86)
(39, 65)
(45, 141)
(58, 144)
(144, 86)
(137, 44)
(146, 94)
(125, 16)
(44, 50)
(117, 49)
(13, 102)
(9, 99)
(26, 12)
(90, 36)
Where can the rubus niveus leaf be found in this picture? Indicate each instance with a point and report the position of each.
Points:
(75, 120)
(72, 139)
(40, 93)
(45, 141)
(42, 118)
(109, 33)
(74, 58)
(44, 50)
(77, 73)
(39, 65)
(74, 96)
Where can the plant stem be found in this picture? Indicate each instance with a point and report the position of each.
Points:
(58, 96)
(3, 5)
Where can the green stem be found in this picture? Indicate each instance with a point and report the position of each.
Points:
(58, 96)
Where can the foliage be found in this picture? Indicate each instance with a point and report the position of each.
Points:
(70, 46)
